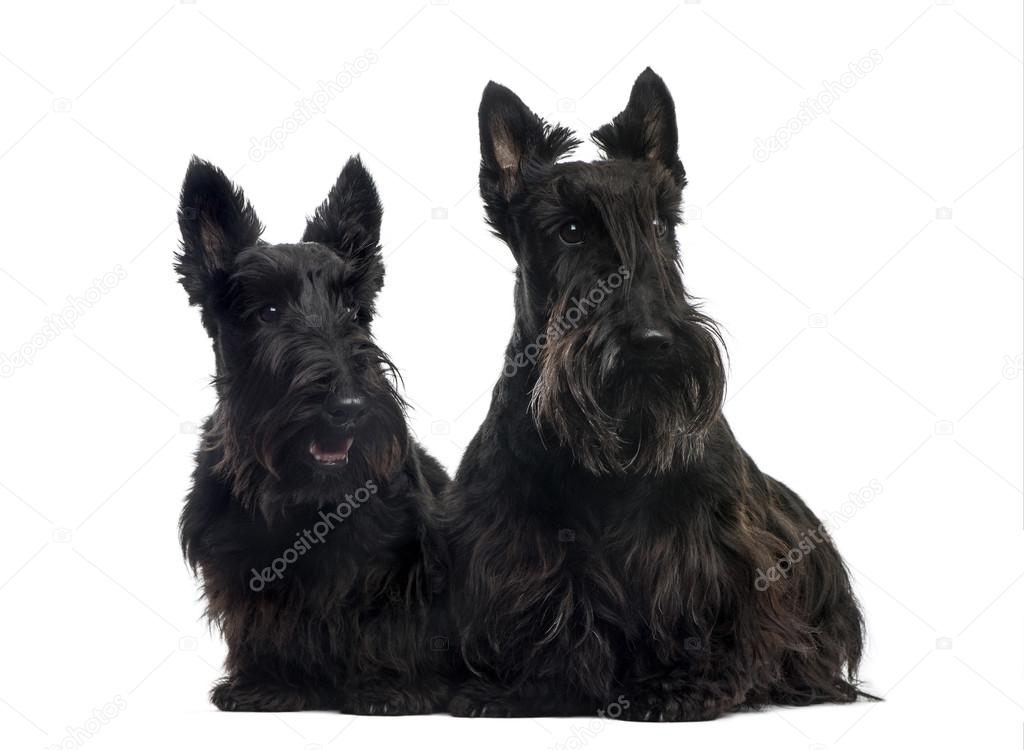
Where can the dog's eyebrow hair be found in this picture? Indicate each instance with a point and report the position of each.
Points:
(626, 214)
(629, 221)
(565, 191)
(558, 202)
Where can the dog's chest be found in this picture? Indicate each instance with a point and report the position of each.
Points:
(644, 562)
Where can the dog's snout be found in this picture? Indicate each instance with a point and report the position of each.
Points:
(345, 410)
(651, 340)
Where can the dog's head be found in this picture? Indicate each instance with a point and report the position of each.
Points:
(629, 374)
(307, 405)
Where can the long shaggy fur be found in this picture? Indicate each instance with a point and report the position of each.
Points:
(325, 580)
(607, 532)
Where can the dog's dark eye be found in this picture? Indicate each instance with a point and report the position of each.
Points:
(269, 314)
(571, 233)
(660, 227)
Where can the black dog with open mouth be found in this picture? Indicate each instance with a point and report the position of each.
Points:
(311, 513)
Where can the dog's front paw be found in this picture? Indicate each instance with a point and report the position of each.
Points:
(486, 700)
(390, 702)
(674, 706)
(239, 694)
(468, 706)
(373, 707)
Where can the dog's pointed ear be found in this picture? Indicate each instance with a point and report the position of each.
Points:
(216, 222)
(349, 220)
(511, 137)
(646, 128)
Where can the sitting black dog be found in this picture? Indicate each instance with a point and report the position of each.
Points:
(613, 547)
(310, 515)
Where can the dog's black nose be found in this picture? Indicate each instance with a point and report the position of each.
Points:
(345, 410)
(651, 340)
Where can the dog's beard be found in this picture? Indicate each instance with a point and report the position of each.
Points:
(616, 416)
(265, 454)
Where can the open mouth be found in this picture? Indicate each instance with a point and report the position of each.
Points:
(331, 451)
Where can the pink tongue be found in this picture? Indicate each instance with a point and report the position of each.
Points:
(331, 455)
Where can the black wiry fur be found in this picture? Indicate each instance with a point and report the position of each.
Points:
(605, 526)
(351, 622)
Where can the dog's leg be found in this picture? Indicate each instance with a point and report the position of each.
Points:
(244, 693)
(480, 698)
(667, 703)
(673, 697)
(828, 607)
(391, 697)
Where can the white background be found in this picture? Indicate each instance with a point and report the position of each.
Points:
(868, 277)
